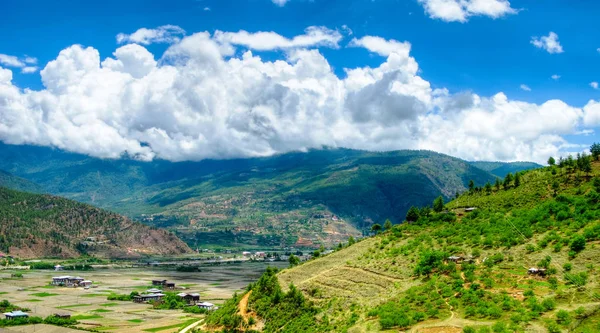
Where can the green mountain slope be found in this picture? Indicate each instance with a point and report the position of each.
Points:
(17, 183)
(300, 199)
(404, 280)
(34, 226)
(501, 169)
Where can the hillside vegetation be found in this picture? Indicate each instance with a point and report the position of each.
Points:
(403, 279)
(17, 183)
(34, 225)
(300, 199)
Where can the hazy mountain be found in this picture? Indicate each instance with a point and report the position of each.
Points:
(501, 169)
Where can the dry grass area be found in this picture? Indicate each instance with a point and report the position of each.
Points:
(215, 284)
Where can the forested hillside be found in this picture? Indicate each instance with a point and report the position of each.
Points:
(10, 181)
(520, 256)
(296, 199)
(33, 226)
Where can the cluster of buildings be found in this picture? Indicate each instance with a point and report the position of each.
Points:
(156, 295)
(70, 281)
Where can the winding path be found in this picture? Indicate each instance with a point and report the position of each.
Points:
(190, 327)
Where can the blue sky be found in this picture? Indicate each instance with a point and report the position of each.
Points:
(484, 55)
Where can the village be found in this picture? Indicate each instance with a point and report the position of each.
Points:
(131, 299)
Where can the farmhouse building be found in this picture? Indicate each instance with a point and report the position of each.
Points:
(206, 305)
(536, 271)
(58, 268)
(192, 298)
(67, 281)
(148, 298)
(159, 282)
(16, 314)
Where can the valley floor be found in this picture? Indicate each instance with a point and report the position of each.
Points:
(94, 311)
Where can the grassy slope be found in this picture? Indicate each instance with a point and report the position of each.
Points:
(281, 200)
(33, 225)
(373, 284)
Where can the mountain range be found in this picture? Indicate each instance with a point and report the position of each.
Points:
(295, 199)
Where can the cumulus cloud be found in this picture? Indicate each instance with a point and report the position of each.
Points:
(591, 116)
(594, 85)
(202, 99)
(163, 34)
(263, 41)
(461, 10)
(555, 77)
(525, 87)
(549, 43)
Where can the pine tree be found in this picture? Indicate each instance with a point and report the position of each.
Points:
(471, 185)
(438, 204)
(413, 214)
(497, 184)
(507, 180)
(488, 188)
(517, 179)
(387, 225)
(551, 161)
(595, 150)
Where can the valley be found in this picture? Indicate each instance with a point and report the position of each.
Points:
(94, 311)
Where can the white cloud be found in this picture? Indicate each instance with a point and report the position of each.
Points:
(382, 46)
(163, 34)
(205, 100)
(594, 85)
(280, 3)
(10, 61)
(207, 9)
(23, 63)
(525, 87)
(555, 77)
(549, 43)
(313, 36)
(461, 10)
(591, 112)
(5, 76)
(598, 49)
(29, 69)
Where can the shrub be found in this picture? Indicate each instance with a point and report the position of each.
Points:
(563, 317)
(548, 304)
(578, 243)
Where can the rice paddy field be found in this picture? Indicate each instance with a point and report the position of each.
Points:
(94, 312)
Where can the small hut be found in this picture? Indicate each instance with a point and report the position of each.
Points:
(15, 315)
